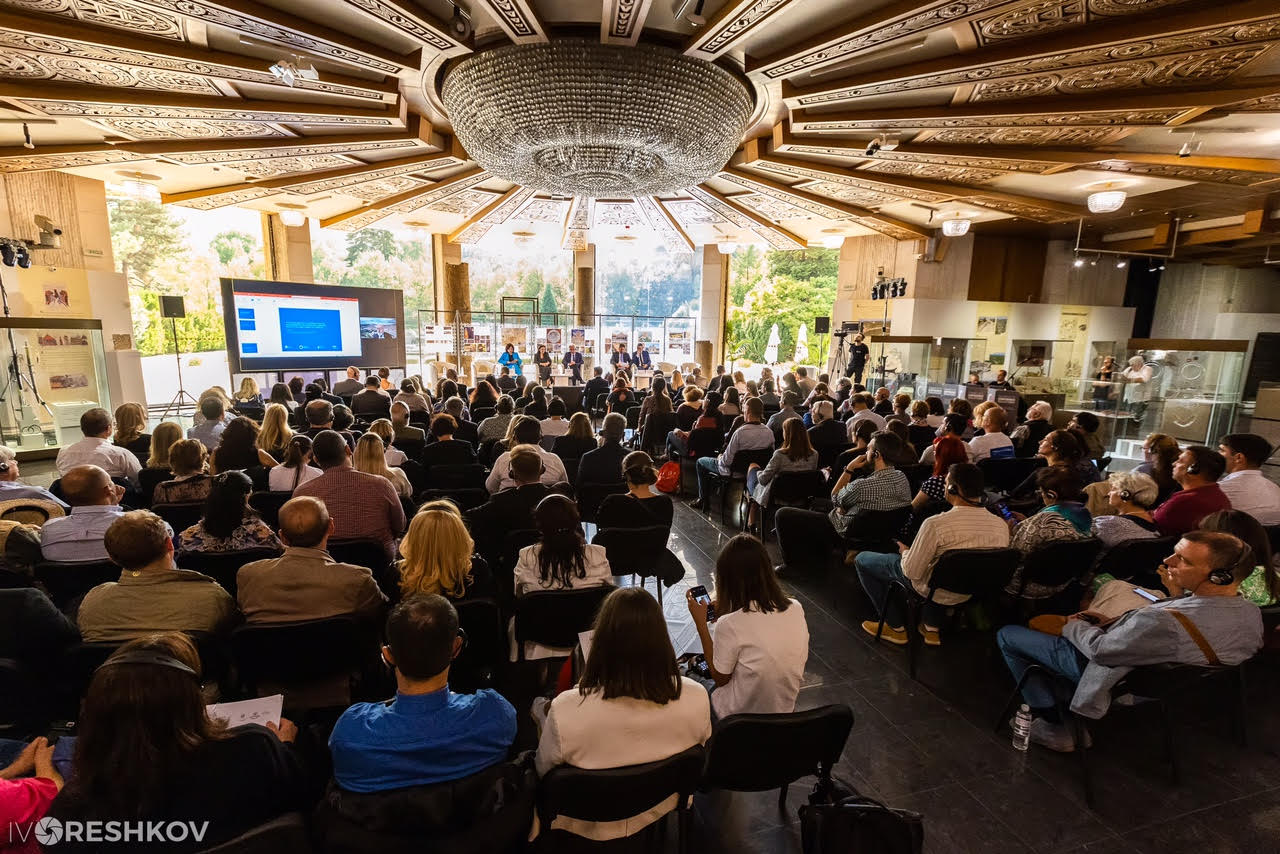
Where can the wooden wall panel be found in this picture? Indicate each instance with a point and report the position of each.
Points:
(53, 195)
(1009, 269)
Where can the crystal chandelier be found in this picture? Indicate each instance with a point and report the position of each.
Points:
(955, 227)
(1106, 201)
(602, 121)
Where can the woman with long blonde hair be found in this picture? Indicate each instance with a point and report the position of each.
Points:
(162, 439)
(131, 421)
(249, 391)
(439, 556)
(371, 457)
(383, 429)
(275, 434)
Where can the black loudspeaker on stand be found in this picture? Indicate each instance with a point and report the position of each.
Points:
(173, 308)
(821, 325)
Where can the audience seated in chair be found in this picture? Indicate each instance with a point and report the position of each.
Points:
(349, 385)
(238, 448)
(604, 464)
(966, 525)
(1130, 497)
(826, 431)
(426, 734)
(320, 417)
(296, 468)
(96, 448)
(400, 426)
(1062, 517)
(305, 583)
(12, 489)
(578, 440)
(372, 402)
(95, 505)
(796, 454)
(467, 431)
(209, 431)
(993, 443)
(752, 436)
(363, 506)
(495, 426)
(630, 684)
(383, 429)
(1197, 470)
(524, 431)
(370, 457)
(640, 506)
(228, 524)
(439, 556)
(152, 593)
(807, 536)
(146, 702)
(555, 424)
(511, 509)
(447, 449)
(760, 641)
(1212, 625)
(191, 482)
(1244, 484)
(157, 469)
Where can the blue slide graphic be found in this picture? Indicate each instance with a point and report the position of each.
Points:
(310, 330)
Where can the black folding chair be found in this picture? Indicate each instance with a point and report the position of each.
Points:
(653, 435)
(180, 516)
(978, 573)
(299, 654)
(791, 489)
(412, 447)
(285, 834)
(703, 442)
(268, 504)
(485, 652)
(555, 617)
(1136, 560)
(614, 794)
(372, 555)
(480, 413)
(465, 499)
(592, 495)
(876, 530)
(756, 753)
(917, 474)
(1054, 564)
(223, 566)
(67, 582)
(641, 552)
(464, 476)
(1004, 475)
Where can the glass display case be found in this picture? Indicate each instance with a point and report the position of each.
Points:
(1187, 389)
(900, 362)
(54, 370)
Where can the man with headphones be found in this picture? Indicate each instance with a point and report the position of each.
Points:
(966, 525)
(427, 734)
(1197, 471)
(1210, 624)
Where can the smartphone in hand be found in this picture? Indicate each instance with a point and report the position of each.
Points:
(700, 593)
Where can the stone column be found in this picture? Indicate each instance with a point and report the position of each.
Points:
(584, 285)
(713, 268)
(456, 295)
(443, 254)
(287, 250)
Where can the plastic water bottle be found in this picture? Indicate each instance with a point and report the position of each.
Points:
(1022, 728)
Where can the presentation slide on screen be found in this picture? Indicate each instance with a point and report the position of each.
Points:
(296, 325)
(283, 325)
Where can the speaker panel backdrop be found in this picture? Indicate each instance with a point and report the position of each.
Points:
(281, 326)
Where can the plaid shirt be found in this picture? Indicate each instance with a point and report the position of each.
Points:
(886, 489)
(363, 506)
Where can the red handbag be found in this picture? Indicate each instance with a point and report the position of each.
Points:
(669, 477)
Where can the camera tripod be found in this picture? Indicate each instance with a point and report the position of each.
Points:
(841, 362)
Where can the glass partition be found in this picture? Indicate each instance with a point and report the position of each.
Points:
(900, 363)
(54, 370)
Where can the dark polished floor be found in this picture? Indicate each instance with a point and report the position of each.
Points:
(928, 745)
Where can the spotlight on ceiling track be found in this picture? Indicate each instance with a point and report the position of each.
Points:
(1122, 263)
(460, 24)
(872, 148)
(1079, 262)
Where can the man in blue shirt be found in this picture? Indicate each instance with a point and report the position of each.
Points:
(427, 734)
(11, 489)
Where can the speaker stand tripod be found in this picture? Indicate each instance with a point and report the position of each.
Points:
(182, 397)
(842, 359)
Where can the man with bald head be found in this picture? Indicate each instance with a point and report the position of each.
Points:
(305, 583)
(95, 504)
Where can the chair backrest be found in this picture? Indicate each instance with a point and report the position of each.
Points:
(613, 794)
(1056, 563)
(513, 542)
(1134, 558)
(555, 617)
(974, 571)
(464, 476)
(465, 499)
(633, 550)
(180, 516)
(705, 442)
(1004, 475)
(755, 753)
(268, 504)
(877, 525)
(656, 427)
(633, 417)
(223, 566)
(303, 651)
(418, 418)
(67, 581)
(366, 553)
(917, 474)
(412, 447)
(797, 487)
(480, 413)
(742, 460)
(592, 495)
(828, 454)
(286, 834)
(485, 651)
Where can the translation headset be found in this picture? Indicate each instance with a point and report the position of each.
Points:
(1193, 468)
(1126, 495)
(952, 489)
(1225, 575)
(158, 659)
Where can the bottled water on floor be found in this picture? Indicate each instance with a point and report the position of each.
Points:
(1022, 728)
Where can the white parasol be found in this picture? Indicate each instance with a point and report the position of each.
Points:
(771, 349)
(802, 345)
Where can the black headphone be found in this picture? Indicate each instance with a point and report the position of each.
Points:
(1193, 468)
(1223, 576)
(1126, 495)
(952, 489)
(158, 659)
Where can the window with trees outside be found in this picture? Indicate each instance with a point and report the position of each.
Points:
(500, 269)
(644, 278)
(774, 297)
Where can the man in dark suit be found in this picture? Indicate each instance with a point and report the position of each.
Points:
(316, 391)
(572, 362)
(466, 431)
(350, 385)
(372, 403)
(506, 382)
(604, 464)
(826, 430)
(720, 381)
(511, 509)
(401, 426)
(620, 358)
(446, 450)
(594, 388)
(641, 359)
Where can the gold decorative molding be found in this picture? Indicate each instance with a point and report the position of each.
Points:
(497, 212)
(661, 221)
(622, 21)
(776, 236)
(518, 19)
(735, 21)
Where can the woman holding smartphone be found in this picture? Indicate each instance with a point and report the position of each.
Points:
(757, 653)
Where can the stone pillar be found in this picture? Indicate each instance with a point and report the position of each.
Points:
(444, 253)
(584, 285)
(456, 296)
(714, 276)
(287, 250)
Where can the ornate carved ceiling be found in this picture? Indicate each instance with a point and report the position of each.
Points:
(877, 117)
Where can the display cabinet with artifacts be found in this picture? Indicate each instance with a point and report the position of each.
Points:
(900, 363)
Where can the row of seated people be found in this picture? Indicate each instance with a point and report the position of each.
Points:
(146, 699)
